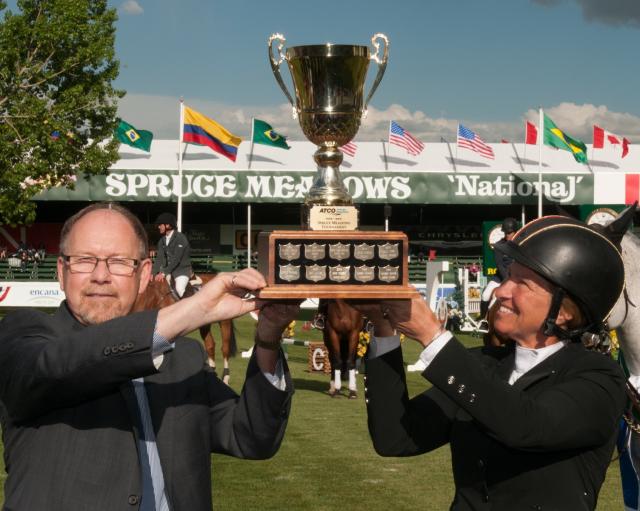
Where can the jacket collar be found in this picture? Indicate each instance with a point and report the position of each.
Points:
(542, 370)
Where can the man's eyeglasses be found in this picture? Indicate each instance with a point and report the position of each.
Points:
(122, 266)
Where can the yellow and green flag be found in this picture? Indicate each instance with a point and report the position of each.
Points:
(263, 133)
(557, 138)
(129, 135)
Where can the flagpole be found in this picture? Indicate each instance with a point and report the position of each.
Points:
(181, 135)
(453, 161)
(513, 144)
(540, 141)
(249, 235)
(384, 153)
(253, 122)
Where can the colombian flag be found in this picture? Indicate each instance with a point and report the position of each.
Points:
(201, 130)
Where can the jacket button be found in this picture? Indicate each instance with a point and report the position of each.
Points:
(472, 398)
(122, 347)
(451, 380)
(107, 351)
(129, 345)
(133, 500)
(461, 389)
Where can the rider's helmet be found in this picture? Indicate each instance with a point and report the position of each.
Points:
(167, 218)
(582, 263)
(510, 225)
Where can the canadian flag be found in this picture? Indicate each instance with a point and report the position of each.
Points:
(530, 133)
(603, 138)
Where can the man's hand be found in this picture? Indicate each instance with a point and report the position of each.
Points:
(159, 277)
(274, 317)
(219, 299)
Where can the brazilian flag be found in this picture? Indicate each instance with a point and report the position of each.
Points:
(263, 133)
(129, 135)
(557, 138)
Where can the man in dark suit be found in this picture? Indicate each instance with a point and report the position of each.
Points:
(173, 254)
(106, 410)
(532, 425)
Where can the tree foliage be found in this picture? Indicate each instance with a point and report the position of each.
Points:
(57, 101)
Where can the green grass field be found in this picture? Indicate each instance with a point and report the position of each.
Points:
(326, 461)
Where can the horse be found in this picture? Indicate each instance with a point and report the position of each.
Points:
(159, 295)
(341, 332)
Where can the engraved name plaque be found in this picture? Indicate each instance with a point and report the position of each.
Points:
(339, 273)
(357, 264)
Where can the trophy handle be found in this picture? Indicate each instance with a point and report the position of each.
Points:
(382, 65)
(275, 67)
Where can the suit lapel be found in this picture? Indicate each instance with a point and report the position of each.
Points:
(505, 366)
(129, 396)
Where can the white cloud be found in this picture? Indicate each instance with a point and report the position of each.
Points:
(131, 7)
(160, 114)
(578, 120)
(609, 12)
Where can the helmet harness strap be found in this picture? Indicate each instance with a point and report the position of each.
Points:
(550, 327)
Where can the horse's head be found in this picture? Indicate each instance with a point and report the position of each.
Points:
(618, 228)
(629, 244)
(156, 295)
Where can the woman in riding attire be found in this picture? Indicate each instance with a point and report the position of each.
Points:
(532, 426)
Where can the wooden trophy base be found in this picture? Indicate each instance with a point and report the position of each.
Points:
(334, 264)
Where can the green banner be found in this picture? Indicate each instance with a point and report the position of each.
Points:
(491, 232)
(371, 187)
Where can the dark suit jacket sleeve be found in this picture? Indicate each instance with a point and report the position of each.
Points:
(400, 426)
(579, 411)
(251, 425)
(44, 366)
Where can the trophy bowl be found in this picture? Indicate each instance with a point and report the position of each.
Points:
(329, 81)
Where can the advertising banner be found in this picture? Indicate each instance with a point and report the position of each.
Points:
(292, 186)
(30, 294)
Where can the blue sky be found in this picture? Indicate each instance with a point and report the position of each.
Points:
(484, 63)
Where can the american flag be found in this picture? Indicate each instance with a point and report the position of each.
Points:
(469, 140)
(401, 137)
(349, 149)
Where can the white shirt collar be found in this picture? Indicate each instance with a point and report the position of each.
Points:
(168, 236)
(528, 358)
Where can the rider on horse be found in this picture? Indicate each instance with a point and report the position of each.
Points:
(173, 261)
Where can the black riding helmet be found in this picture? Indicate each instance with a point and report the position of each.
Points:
(167, 218)
(581, 262)
(510, 225)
